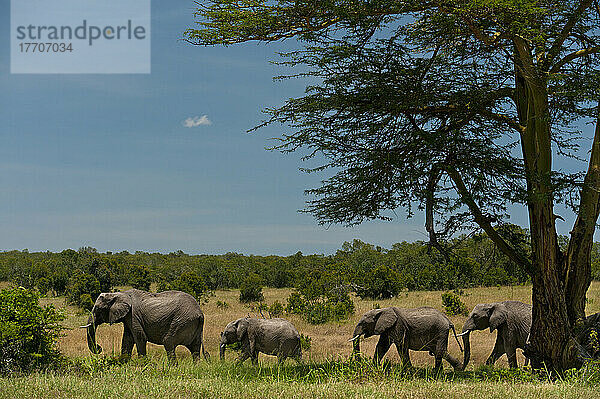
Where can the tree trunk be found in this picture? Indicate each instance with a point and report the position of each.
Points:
(578, 260)
(551, 340)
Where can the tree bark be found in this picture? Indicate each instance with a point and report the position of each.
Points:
(578, 260)
(551, 341)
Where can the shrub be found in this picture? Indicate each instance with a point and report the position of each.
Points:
(305, 342)
(43, 286)
(101, 269)
(251, 289)
(322, 296)
(59, 280)
(28, 332)
(380, 282)
(453, 305)
(80, 284)
(85, 302)
(222, 305)
(190, 282)
(139, 277)
(276, 309)
(322, 309)
(295, 303)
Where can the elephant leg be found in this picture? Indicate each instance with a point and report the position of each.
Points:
(243, 356)
(254, 358)
(455, 363)
(141, 347)
(438, 363)
(403, 353)
(127, 343)
(511, 354)
(195, 351)
(441, 350)
(281, 359)
(497, 351)
(382, 347)
(170, 348)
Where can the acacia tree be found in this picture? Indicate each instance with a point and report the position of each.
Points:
(457, 107)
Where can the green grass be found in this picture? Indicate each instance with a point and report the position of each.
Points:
(326, 373)
(105, 377)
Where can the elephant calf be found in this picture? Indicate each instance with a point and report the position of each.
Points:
(420, 329)
(512, 319)
(270, 336)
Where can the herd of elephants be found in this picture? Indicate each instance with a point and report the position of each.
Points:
(174, 318)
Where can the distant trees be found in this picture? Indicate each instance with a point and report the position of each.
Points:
(251, 289)
(321, 295)
(188, 281)
(83, 289)
(139, 277)
(359, 267)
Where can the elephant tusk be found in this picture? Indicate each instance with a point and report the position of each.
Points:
(354, 338)
(86, 326)
(463, 333)
(222, 345)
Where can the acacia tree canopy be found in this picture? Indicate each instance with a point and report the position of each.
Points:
(455, 107)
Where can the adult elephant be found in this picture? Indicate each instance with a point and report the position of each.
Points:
(420, 329)
(588, 336)
(276, 337)
(512, 319)
(169, 318)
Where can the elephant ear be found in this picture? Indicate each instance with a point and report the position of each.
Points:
(242, 328)
(498, 317)
(119, 308)
(385, 320)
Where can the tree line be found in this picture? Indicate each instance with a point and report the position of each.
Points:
(369, 271)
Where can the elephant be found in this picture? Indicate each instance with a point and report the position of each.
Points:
(169, 318)
(270, 336)
(588, 336)
(512, 319)
(420, 329)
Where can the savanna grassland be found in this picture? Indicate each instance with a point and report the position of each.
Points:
(326, 373)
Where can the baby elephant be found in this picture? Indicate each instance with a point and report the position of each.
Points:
(420, 329)
(276, 337)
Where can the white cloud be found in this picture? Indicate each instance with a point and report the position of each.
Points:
(197, 121)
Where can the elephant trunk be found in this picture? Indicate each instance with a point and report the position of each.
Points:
(358, 331)
(91, 336)
(467, 345)
(222, 352)
(356, 345)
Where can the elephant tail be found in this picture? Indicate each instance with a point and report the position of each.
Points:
(204, 352)
(200, 339)
(456, 337)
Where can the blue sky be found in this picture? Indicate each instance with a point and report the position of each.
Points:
(106, 161)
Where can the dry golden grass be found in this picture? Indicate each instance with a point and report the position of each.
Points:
(328, 340)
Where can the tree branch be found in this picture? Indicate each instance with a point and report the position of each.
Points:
(434, 177)
(577, 280)
(566, 31)
(486, 39)
(484, 221)
(576, 54)
(504, 119)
